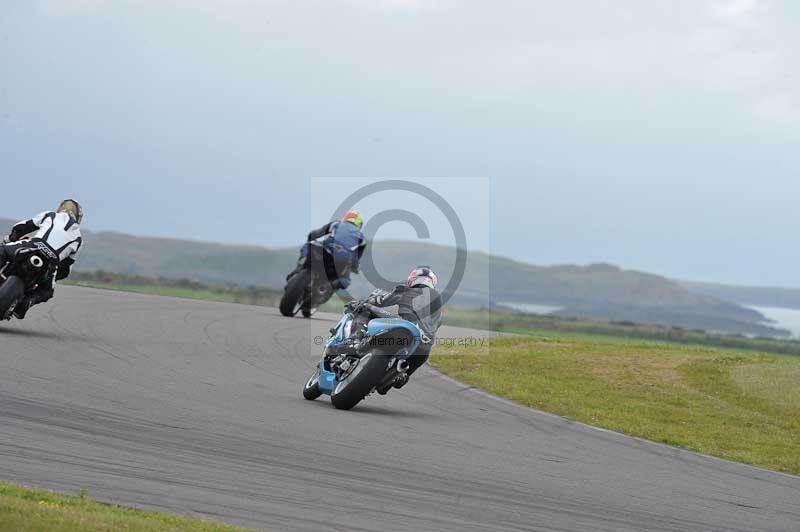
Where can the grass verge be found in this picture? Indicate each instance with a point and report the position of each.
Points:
(731, 404)
(185, 288)
(32, 510)
(515, 322)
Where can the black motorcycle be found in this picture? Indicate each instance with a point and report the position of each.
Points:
(314, 284)
(33, 263)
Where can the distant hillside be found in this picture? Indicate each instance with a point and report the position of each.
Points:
(759, 296)
(598, 291)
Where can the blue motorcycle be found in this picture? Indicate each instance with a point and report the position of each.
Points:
(381, 359)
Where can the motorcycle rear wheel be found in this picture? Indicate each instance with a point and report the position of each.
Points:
(292, 300)
(11, 292)
(364, 377)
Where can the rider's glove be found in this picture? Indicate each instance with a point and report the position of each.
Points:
(377, 296)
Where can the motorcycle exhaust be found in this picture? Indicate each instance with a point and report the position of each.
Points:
(402, 366)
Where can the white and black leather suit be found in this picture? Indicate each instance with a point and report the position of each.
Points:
(62, 233)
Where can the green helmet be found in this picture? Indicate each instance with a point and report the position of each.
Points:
(354, 217)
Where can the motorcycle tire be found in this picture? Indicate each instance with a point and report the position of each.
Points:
(292, 300)
(355, 387)
(311, 389)
(11, 292)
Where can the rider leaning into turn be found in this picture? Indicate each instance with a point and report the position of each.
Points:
(60, 229)
(345, 241)
(417, 301)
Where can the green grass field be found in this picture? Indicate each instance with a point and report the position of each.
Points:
(156, 290)
(514, 322)
(32, 510)
(731, 404)
(183, 288)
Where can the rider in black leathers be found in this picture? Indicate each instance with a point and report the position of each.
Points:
(346, 243)
(418, 302)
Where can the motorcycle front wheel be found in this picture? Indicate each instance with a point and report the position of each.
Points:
(311, 389)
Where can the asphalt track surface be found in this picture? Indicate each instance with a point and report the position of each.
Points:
(195, 407)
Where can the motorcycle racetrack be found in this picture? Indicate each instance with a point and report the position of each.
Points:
(195, 407)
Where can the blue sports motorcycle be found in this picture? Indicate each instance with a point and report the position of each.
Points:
(375, 365)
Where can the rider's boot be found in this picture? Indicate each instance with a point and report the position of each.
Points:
(400, 381)
(356, 344)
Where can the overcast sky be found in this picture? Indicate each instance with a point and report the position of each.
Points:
(661, 136)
